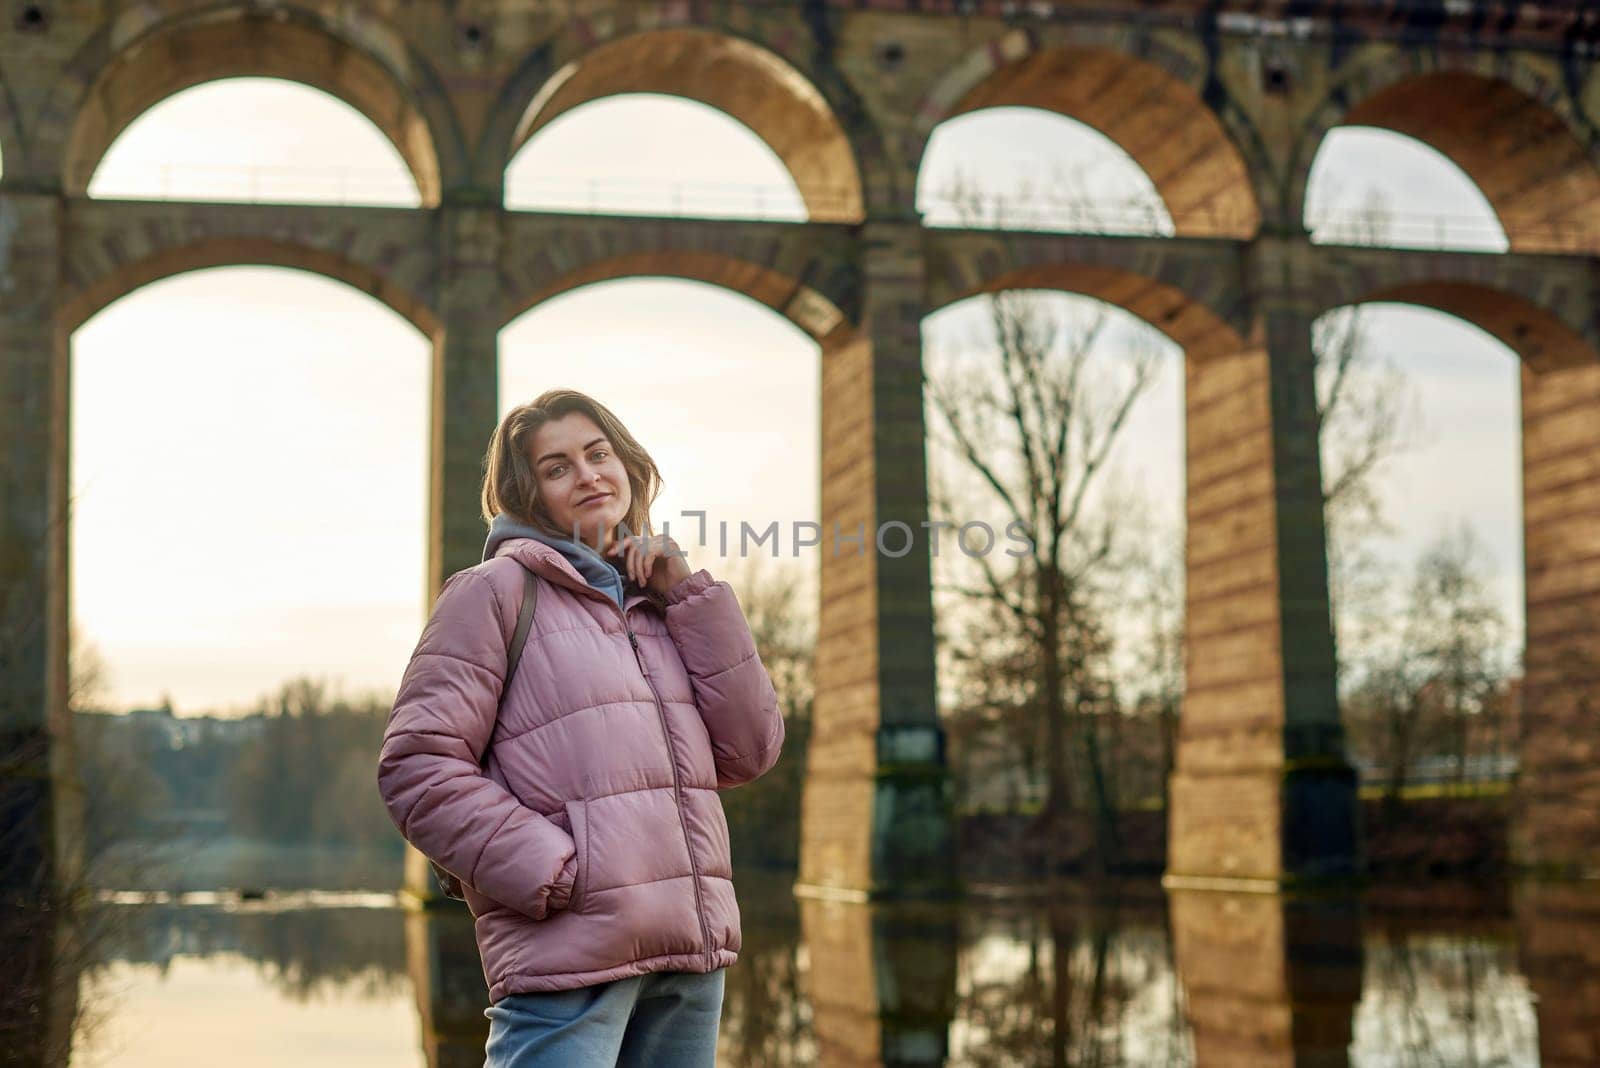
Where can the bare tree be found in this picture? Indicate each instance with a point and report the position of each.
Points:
(1439, 669)
(50, 921)
(1159, 645)
(1032, 427)
(1368, 414)
(779, 602)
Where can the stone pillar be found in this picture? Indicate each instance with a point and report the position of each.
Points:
(466, 386)
(1268, 980)
(1558, 949)
(41, 808)
(1262, 791)
(464, 409)
(882, 980)
(447, 980)
(875, 815)
(1556, 821)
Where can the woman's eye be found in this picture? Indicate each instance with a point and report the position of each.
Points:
(600, 452)
(553, 472)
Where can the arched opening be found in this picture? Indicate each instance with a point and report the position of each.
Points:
(1533, 169)
(1543, 341)
(1195, 326)
(228, 463)
(751, 85)
(809, 310)
(226, 141)
(1060, 414)
(1376, 187)
(1028, 169)
(1551, 698)
(251, 44)
(1158, 120)
(1420, 440)
(725, 393)
(97, 292)
(722, 391)
(650, 154)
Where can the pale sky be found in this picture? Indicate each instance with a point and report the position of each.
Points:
(269, 426)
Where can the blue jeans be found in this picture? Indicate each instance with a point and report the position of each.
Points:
(665, 1019)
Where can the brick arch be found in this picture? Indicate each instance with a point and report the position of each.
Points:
(811, 119)
(1542, 307)
(1187, 321)
(142, 59)
(1513, 131)
(1186, 297)
(805, 307)
(1152, 104)
(91, 295)
(1538, 336)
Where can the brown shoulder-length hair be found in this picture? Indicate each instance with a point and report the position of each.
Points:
(510, 485)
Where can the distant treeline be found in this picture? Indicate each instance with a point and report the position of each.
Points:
(301, 767)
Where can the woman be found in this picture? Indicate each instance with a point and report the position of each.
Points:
(590, 843)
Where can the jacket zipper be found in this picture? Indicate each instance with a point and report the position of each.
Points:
(677, 786)
(672, 756)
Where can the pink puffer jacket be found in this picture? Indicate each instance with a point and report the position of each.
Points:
(592, 845)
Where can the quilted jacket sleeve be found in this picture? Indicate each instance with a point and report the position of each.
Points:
(429, 772)
(731, 686)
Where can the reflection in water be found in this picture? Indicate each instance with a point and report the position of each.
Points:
(1270, 979)
(40, 1001)
(766, 1015)
(1125, 976)
(1558, 940)
(1087, 981)
(202, 1012)
(246, 985)
(300, 954)
(447, 986)
(1445, 1000)
(882, 981)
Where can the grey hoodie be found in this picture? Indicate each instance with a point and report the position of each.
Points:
(595, 569)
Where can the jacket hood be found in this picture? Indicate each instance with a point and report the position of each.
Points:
(595, 569)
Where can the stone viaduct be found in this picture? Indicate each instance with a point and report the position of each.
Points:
(1222, 104)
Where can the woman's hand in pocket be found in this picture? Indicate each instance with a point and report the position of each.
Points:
(577, 826)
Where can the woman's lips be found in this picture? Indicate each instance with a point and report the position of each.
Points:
(593, 500)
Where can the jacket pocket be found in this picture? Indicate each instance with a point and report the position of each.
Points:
(578, 822)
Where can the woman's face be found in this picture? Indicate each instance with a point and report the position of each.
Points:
(582, 481)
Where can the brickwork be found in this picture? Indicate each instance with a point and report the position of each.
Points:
(465, 388)
(1555, 825)
(1268, 980)
(808, 274)
(883, 981)
(1558, 949)
(1224, 106)
(446, 986)
(113, 247)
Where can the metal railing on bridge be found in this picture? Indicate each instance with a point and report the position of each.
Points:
(603, 195)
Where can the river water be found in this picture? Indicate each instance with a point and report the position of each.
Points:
(1127, 974)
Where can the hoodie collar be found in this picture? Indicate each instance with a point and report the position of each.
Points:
(534, 547)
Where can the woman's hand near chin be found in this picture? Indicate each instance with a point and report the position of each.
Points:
(656, 564)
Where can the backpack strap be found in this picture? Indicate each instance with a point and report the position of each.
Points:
(530, 598)
(519, 638)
